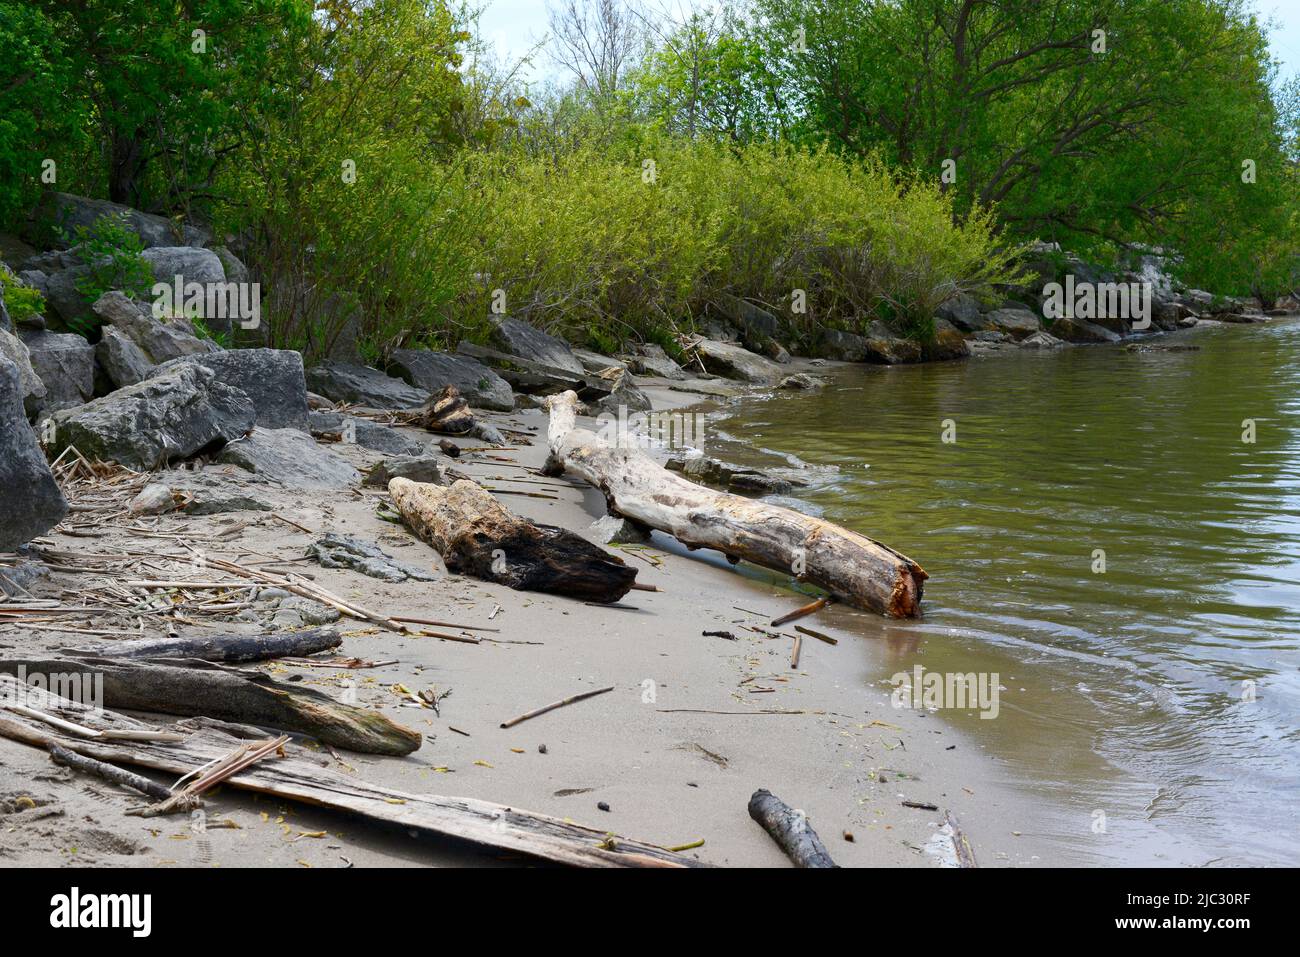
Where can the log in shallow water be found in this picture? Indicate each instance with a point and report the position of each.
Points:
(852, 567)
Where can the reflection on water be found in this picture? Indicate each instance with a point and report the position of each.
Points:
(1125, 692)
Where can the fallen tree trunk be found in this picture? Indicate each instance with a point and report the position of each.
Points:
(850, 566)
(476, 535)
(230, 649)
(297, 777)
(203, 689)
(790, 829)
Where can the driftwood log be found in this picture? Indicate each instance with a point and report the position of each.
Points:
(850, 566)
(476, 535)
(192, 687)
(230, 649)
(447, 412)
(297, 777)
(790, 829)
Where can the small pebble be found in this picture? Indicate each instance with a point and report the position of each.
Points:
(848, 836)
(602, 805)
(541, 749)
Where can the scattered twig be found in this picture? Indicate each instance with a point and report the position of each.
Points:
(572, 699)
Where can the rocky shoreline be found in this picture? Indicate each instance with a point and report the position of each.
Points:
(159, 486)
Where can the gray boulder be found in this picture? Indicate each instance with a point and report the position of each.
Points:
(616, 530)
(528, 342)
(625, 395)
(537, 378)
(170, 416)
(65, 212)
(595, 364)
(291, 458)
(29, 383)
(432, 371)
(33, 503)
(369, 435)
(1016, 321)
(842, 346)
(65, 363)
(272, 378)
(739, 481)
(363, 386)
(889, 348)
(800, 381)
(1080, 330)
(152, 342)
(651, 360)
(419, 468)
(962, 311)
(195, 265)
(947, 343)
(123, 362)
(758, 328)
(735, 362)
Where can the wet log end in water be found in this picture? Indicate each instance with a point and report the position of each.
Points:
(477, 536)
(852, 567)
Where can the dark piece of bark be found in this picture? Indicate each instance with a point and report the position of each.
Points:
(477, 536)
(230, 649)
(298, 777)
(192, 688)
(863, 572)
(108, 772)
(790, 829)
(450, 449)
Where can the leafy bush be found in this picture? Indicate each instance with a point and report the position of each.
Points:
(606, 248)
(112, 251)
(21, 301)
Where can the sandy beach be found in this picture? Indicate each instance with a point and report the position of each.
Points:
(694, 725)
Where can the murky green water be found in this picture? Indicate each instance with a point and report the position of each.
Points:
(1125, 693)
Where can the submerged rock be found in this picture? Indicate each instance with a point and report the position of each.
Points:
(739, 481)
(33, 503)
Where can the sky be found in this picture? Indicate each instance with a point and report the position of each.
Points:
(514, 26)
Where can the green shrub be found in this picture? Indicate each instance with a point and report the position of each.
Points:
(21, 301)
(607, 248)
(112, 251)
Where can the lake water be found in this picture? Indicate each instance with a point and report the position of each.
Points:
(1154, 706)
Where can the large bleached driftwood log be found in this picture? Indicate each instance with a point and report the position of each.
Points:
(298, 777)
(852, 567)
(477, 536)
(196, 688)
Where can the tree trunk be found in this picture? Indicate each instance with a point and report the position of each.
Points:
(477, 536)
(852, 567)
(201, 689)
